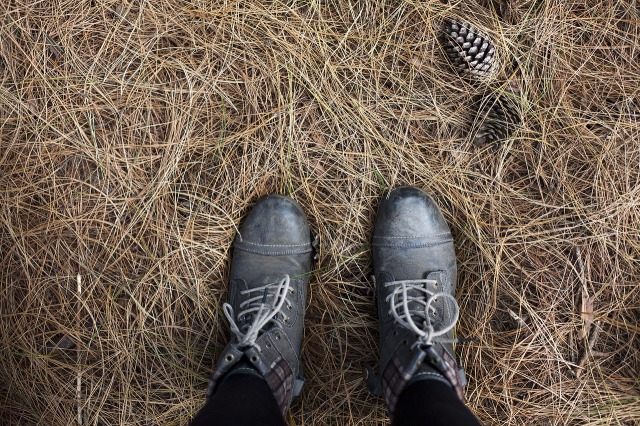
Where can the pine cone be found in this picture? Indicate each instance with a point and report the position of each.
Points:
(470, 51)
(499, 117)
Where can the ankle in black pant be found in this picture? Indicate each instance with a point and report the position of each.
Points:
(246, 400)
(241, 400)
(431, 403)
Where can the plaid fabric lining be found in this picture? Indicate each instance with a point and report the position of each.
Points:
(451, 371)
(280, 379)
(394, 379)
(401, 369)
(213, 381)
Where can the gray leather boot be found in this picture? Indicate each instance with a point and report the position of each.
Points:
(415, 272)
(267, 290)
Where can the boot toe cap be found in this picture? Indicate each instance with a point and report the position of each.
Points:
(409, 212)
(276, 224)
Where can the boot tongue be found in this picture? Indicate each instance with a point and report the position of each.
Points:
(269, 293)
(266, 279)
(415, 306)
(437, 319)
(268, 296)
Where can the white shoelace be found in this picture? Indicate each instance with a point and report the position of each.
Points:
(399, 301)
(264, 312)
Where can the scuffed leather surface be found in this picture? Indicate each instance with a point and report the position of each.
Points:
(411, 241)
(273, 240)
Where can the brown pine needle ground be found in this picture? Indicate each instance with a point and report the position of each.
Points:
(135, 136)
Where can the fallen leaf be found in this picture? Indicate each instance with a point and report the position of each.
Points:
(586, 313)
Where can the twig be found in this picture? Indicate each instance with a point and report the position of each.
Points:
(580, 265)
(572, 353)
(589, 349)
(586, 308)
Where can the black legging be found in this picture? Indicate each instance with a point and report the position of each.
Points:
(246, 400)
(431, 402)
(241, 400)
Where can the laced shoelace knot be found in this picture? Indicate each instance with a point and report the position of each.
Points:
(418, 318)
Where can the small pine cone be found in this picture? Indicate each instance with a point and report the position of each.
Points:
(470, 51)
(499, 117)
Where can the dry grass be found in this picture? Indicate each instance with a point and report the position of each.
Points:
(136, 135)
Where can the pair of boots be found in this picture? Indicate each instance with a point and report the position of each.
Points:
(415, 277)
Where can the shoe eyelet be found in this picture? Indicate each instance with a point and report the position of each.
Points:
(254, 359)
(277, 336)
(268, 344)
(395, 332)
(404, 342)
(229, 358)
